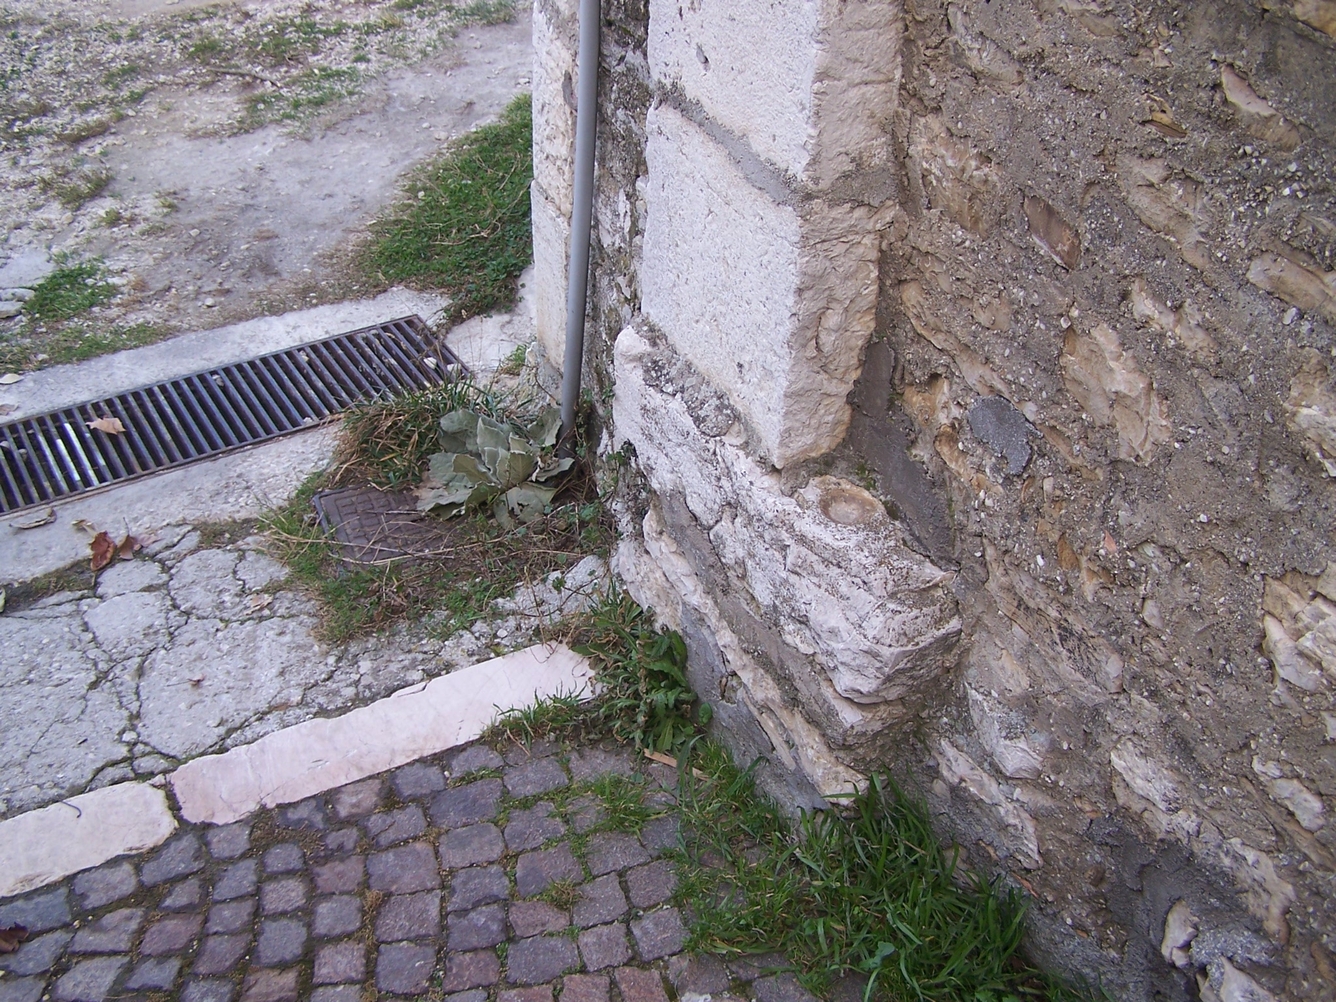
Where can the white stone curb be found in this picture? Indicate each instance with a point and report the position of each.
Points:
(318, 755)
(43, 846)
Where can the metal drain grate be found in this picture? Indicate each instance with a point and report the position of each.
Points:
(179, 421)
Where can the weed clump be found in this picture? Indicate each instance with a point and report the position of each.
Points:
(463, 224)
(70, 289)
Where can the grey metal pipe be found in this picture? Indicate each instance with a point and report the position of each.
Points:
(582, 212)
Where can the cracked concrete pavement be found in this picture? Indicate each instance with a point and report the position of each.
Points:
(190, 649)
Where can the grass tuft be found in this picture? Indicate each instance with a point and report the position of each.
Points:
(73, 342)
(463, 223)
(70, 289)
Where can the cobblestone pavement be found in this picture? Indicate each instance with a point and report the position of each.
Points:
(474, 876)
(193, 648)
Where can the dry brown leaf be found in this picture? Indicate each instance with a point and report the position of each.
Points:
(103, 550)
(128, 547)
(11, 937)
(44, 517)
(1053, 233)
(262, 601)
(84, 524)
(108, 425)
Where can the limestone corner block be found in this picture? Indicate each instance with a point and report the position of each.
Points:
(554, 46)
(807, 84)
(771, 299)
(43, 846)
(551, 246)
(318, 755)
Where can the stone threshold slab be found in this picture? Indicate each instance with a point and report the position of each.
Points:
(46, 845)
(321, 754)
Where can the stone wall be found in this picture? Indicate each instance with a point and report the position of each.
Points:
(966, 374)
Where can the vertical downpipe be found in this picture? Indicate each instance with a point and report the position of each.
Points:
(582, 212)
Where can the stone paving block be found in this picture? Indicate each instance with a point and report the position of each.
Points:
(286, 894)
(154, 974)
(38, 954)
(472, 995)
(536, 870)
(530, 829)
(470, 846)
(340, 963)
(219, 954)
(466, 805)
(228, 842)
(340, 876)
(337, 993)
(532, 918)
(756, 966)
(231, 916)
(404, 870)
(270, 986)
(287, 857)
(659, 835)
(537, 993)
(418, 780)
(208, 990)
(357, 799)
(237, 881)
(601, 901)
(38, 912)
(409, 916)
(659, 933)
(106, 884)
(336, 916)
(170, 935)
(481, 927)
(478, 885)
(21, 989)
(638, 985)
(651, 884)
(475, 758)
(520, 755)
(281, 941)
(585, 988)
(781, 988)
(341, 841)
(305, 815)
(699, 974)
(112, 933)
(90, 980)
(590, 763)
(404, 968)
(604, 946)
(392, 827)
(539, 776)
(585, 813)
(539, 959)
(614, 851)
(188, 893)
(479, 969)
(180, 856)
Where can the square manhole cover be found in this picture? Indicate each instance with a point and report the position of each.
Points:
(372, 525)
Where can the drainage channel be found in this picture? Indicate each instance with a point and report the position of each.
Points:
(183, 420)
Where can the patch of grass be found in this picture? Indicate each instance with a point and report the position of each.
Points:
(76, 577)
(69, 290)
(513, 364)
(561, 894)
(867, 891)
(463, 224)
(623, 803)
(75, 187)
(646, 697)
(73, 342)
(559, 713)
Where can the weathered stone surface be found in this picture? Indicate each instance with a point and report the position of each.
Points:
(340, 875)
(614, 851)
(532, 918)
(90, 980)
(536, 870)
(699, 974)
(542, 958)
(585, 988)
(478, 885)
(528, 829)
(237, 881)
(270, 986)
(410, 916)
(471, 970)
(396, 826)
(781, 988)
(471, 845)
(659, 933)
(231, 916)
(640, 986)
(228, 841)
(281, 895)
(21, 989)
(404, 968)
(601, 900)
(539, 776)
(604, 946)
(467, 805)
(651, 884)
(475, 758)
(105, 884)
(37, 955)
(170, 935)
(182, 855)
(286, 857)
(357, 799)
(220, 954)
(280, 941)
(154, 974)
(208, 990)
(184, 895)
(417, 779)
(404, 870)
(336, 916)
(1114, 391)
(481, 927)
(340, 963)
